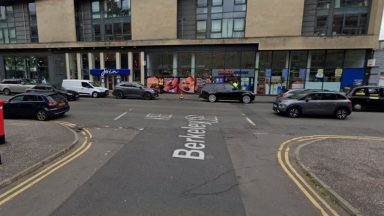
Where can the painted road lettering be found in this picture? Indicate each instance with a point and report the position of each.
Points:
(195, 137)
(158, 116)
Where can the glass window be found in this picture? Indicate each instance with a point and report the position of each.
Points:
(232, 59)
(248, 59)
(354, 58)
(95, 6)
(238, 25)
(374, 92)
(18, 98)
(216, 26)
(334, 58)
(218, 59)
(202, 3)
(360, 92)
(217, 2)
(184, 64)
(108, 29)
(3, 14)
(96, 31)
(321, 25)
(32, 8)
(117, 30)
(201, 26)
(240, 1)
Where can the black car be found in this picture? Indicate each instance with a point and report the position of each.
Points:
(367, 98)
(225, 91)
(134, 90)
(69, 94)
(41, 106)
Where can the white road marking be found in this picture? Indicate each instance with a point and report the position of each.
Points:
(158, 116)
(130, 110)
(250, 121)
(123, 114)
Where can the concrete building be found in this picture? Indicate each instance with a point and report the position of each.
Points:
(265, 45)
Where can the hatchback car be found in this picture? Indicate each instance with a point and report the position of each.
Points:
(69, 94)
(367, 98)
(41, 106)
(134, 90)
(225, 91)
(314, 103)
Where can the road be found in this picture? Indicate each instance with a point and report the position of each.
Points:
(189, 157)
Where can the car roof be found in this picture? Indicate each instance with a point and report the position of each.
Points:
(38, 93)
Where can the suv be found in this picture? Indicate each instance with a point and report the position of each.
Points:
(367, 98)
(314, 103)
(41, 106)
(134, 90)
(9, 86)
(69, 94)
(225, 91)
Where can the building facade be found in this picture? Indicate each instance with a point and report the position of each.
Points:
(265, 45)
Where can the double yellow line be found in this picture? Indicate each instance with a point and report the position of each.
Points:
(28, 183)
(284, 161)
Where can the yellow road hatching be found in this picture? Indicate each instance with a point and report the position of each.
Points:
(313, 196)
(29, 182)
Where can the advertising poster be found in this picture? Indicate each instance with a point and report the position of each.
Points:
(187, 85)
(338, 72)
(268, 73)
(200, 82)
(320, 73)
(171, 85)
(153, 82)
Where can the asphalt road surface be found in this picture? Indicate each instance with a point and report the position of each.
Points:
(189, 157)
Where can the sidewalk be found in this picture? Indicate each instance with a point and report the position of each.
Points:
(28, 142)
(353, 169)
(195, 97)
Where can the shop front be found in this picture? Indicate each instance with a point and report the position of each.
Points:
(110, 77)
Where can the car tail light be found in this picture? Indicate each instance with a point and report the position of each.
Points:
(349, 102)
(52, 104)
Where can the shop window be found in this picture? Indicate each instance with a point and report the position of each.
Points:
(27, 67)
(232, 59)
(110, 60)
(85, 66)
(218, 59)
(184, 64)
(124, 60)
(334, 58)
(354, 58)
(248, 59)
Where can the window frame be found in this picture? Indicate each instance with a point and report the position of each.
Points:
(221, 26)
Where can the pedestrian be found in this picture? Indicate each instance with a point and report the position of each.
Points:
(235, 85)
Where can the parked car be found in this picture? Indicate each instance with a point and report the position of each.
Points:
(41, 106)
(68, 94)
(290, 92)
(367, 98)
(314, 103)
(85, 88)
(9, 86)
(225, 91)
(134, 90)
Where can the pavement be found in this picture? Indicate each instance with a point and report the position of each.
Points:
(29, 145)
(352, 170)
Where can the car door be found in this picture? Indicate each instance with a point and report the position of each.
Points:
(311, 104)
(328, 104)
(86, 89)
(221, 92)
(359, 97)
(129, 90)
(30, 105)
(373, 102)
(13, 107)
(138, 90)
(233, 93)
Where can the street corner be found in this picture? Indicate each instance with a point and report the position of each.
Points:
(32, 144)
(338, 174)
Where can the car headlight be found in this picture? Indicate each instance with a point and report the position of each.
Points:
(151, 90)
(70, 94)
(281, 105)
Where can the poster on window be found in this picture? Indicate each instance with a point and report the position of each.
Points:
(171, 85)
(187, 85)
(153, 82)
(320, 73)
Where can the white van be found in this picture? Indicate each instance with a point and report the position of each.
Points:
(85, 87)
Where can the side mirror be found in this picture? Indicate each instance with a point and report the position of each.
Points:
(307, 99)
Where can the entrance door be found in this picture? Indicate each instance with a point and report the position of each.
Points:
(111, 81)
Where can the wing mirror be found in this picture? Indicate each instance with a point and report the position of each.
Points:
(307, 99)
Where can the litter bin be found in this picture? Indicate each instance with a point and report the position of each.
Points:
(2, 130)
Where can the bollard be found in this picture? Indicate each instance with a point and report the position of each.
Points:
(2, 130)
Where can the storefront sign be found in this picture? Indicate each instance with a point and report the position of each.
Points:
(268, 72)
(233, 72)
(109, 72)
(320, 73)
(371, 63)
(338, 72)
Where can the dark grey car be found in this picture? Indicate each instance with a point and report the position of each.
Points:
(134, 90)
(314, 103)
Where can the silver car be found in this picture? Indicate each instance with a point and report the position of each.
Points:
(314, 103)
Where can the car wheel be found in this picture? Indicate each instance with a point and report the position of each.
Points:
(95, 94)
(357, 107)
(294, 112)
(341, 113)
(41, 115)
(119, 95)
(147, 96)
(212, 98)
(246, 99)
(6, 91)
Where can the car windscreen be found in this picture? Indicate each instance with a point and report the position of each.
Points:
(94, 84)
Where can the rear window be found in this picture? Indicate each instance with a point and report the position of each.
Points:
(57, 98)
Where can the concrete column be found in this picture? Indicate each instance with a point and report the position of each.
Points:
(102, 66)
(142, 67)
(91, 64)
(287, 65)
(118, 60)
(257, 65)
(67, 66)
(130, 66)
(309, 63)
(174, 64)
(193, 64)
(79, 66)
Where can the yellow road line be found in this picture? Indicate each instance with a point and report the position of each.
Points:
(88, 132)
(47, 171)
(306, 193)
(42, 177)
(306, 184)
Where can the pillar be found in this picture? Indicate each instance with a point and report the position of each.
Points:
(79, 66)
(118, 65)
(102, 66)
(130, 66)
(174, 71)
(91, 64)
(257, 64)
(193, 64)
(142, 67)
(309, 62)
(67, 66)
